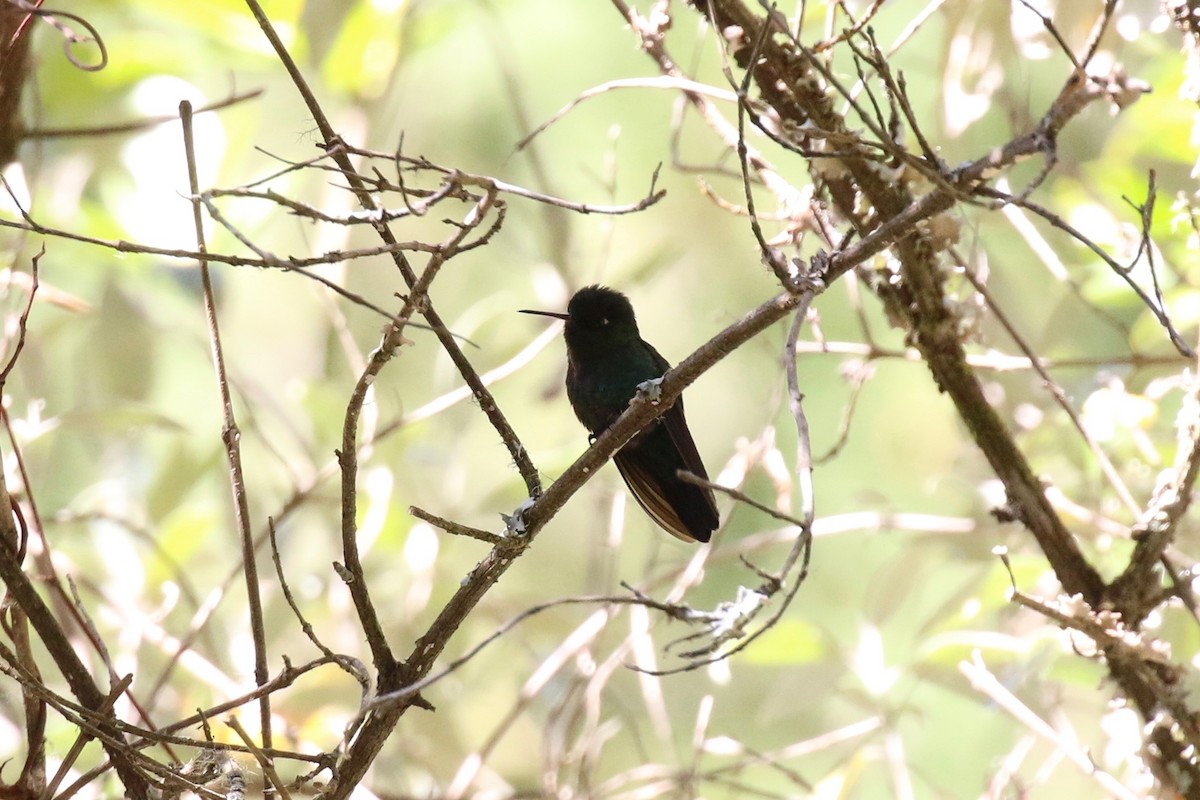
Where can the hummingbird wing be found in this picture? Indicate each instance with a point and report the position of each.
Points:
(699, 505)
(649, 492)
(649, 463)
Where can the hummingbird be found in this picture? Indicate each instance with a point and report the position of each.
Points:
(606, 361)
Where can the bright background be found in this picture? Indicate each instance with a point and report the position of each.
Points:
(116, 407)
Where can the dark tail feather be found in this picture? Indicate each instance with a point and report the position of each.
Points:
(684, 510)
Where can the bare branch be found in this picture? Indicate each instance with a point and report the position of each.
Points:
(231, 436)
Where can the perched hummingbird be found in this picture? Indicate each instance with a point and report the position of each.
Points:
(606, 360)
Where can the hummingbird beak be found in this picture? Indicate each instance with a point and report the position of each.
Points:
(554, 314)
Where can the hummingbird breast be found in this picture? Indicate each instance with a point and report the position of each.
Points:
(600, 389)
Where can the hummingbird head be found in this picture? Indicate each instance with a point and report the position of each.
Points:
(597, 318)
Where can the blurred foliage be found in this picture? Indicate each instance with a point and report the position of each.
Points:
(116, 412)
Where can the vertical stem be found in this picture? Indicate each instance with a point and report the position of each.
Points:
(232, 438)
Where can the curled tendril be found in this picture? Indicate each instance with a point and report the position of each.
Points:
(70, 38)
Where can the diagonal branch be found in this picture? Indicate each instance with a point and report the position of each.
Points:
(333, 145)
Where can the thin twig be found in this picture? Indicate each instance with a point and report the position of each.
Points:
(457, 528)
(232, 438)
(134, 125)
(23, 320)
(274, 782)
